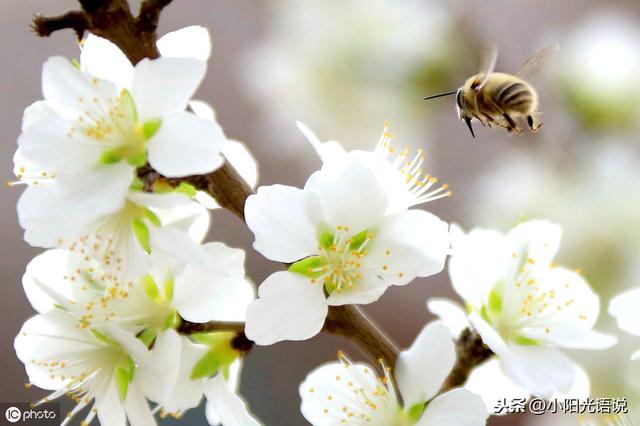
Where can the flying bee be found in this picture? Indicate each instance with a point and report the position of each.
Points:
(499, 99)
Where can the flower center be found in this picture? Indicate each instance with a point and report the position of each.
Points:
(339, 263)
(417, 182)
(113, 123)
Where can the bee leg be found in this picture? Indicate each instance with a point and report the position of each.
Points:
(513, 127)
(534, 125)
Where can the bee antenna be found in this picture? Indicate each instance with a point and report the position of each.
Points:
(441, 94)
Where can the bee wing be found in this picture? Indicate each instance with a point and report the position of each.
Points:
(487, 64)
(536, 61)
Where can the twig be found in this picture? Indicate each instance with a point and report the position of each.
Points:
(351, 322)
(75, 20)
(187, 327)
(470, 352)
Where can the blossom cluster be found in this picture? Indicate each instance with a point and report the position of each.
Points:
(125, 267)
(135, 310)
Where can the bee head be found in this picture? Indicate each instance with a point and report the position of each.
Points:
(461, 105)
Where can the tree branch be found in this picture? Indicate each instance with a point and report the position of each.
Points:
(75, 20)
(351, 322)
(470, 352)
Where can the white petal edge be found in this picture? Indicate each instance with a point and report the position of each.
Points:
(288, 307)
(421, 369)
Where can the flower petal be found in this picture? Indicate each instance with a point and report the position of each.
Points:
(188, 42)
(477, 264)
(533, 241)
(489, 381)
(186, 145)
(421, 369)
(65, 87)
(288, 307)
(412, 243)
(227, 405)
(217, 292)
(349, 193)
(327, 151)
(577, 310)
(624, 308)
(368, 290)
(110, 407)
(450, 313)
(103, 59)
(541, 370)
(137, 407)
(36, 112)
(242, 160)
(283, 220)
(163, 86)
(457, 407)
(490, 336)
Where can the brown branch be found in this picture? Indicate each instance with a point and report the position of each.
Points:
(75, 20)
(187, 327)
(149, 14)
(351, 322)
(470, 352)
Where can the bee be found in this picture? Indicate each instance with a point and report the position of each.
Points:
(499, 99)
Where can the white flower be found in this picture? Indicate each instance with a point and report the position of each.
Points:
(345, 249)
(624, 308)
(224, 405)
(123, 239)
(92, 126)
(106, 366)
(397, 170)
(487, 379)
(524, 307)
(348, 393)
(59, 279)
(218, 290)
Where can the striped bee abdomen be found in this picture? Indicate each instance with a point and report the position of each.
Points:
(513, 95)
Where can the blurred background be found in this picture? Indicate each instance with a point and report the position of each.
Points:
(344, 67)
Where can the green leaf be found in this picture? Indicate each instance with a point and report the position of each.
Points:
(358, 239)
(495, 302)
(416, 411)
(101, 337)
(173, 320)
(206, 366)
(142, 234)
(525, 341)
(168, 290)
(126, 101)
(138, 159)
(187, 189)
(215, 338)
(123, 375)
(75, 63)
(110, 157)
(149, 128)
(307, 265)
(147, 336)
(162, 187)
(137, 184)
(221, 353)
(151, 288)
(152, 217)
(326, 239)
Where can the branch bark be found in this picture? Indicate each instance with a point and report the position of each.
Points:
(136, 37)
(470, 352)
